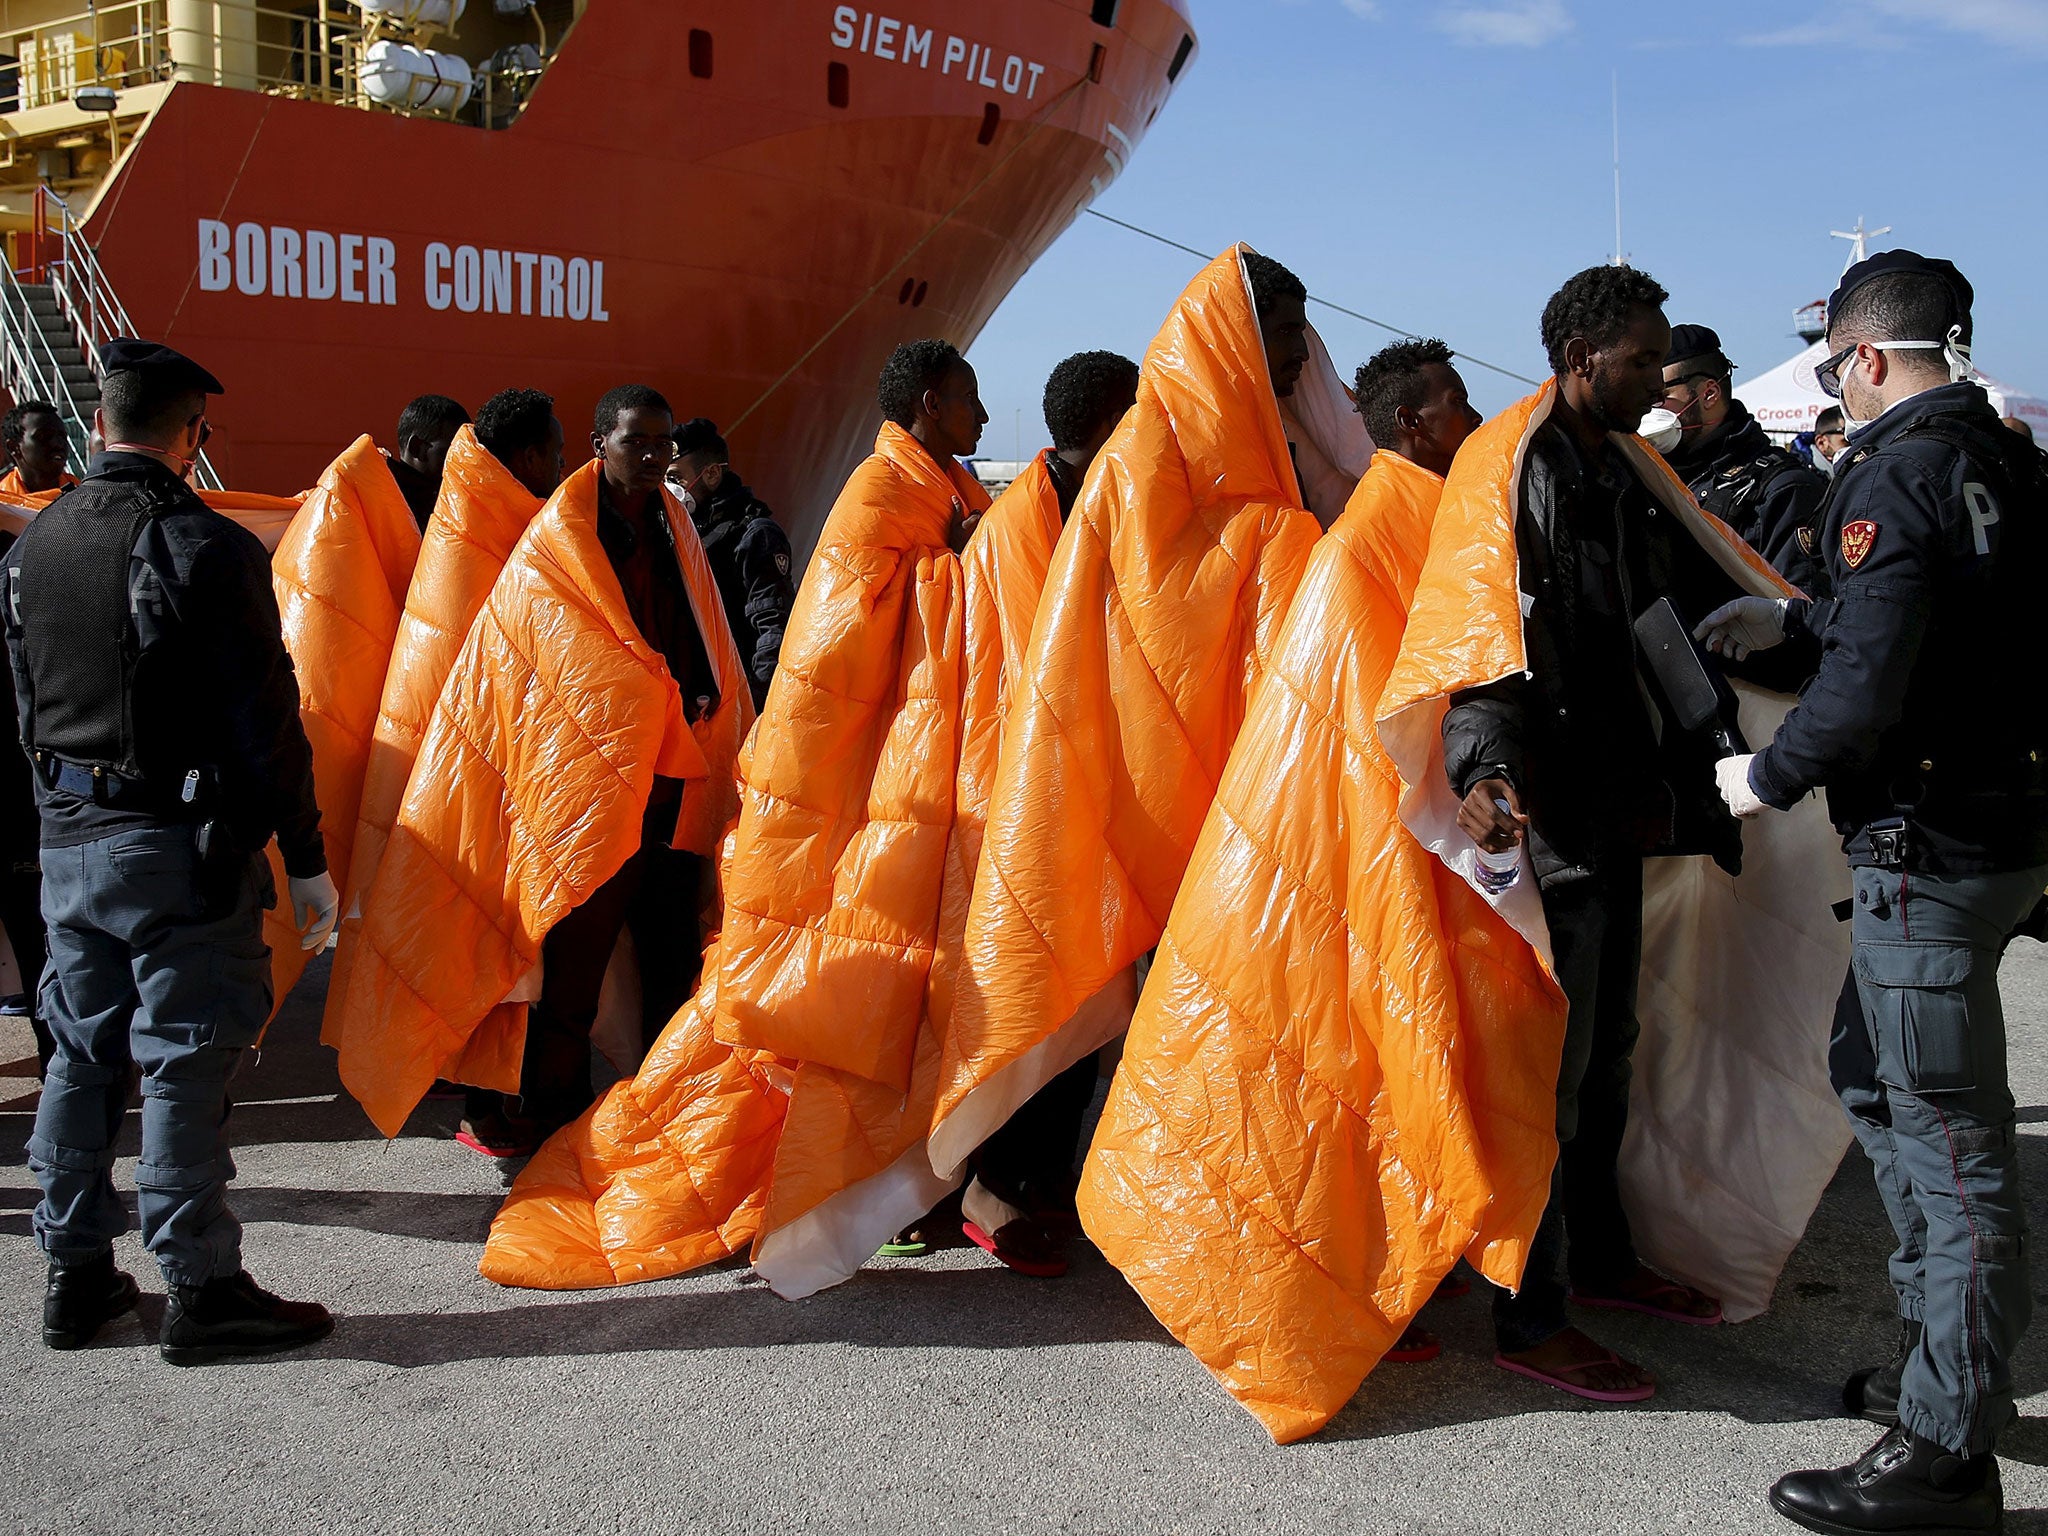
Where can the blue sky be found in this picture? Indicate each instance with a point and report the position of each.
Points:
(1444, 164)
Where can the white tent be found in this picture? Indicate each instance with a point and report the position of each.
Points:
(1786, 400)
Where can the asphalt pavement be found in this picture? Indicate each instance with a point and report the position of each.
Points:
(941, 1395)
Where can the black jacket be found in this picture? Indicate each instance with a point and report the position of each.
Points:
(749, 555)
(212, 687)
(1764, 493)
(1937, 552)
(1581, 734)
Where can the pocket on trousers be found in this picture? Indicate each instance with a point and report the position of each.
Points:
(167, 852)
(159, 870)
(1920, 1014)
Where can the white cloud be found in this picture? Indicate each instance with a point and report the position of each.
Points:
(1506, 23)
(2010, 23)
(1367, 9)
(2020, 24)
(1823, 32)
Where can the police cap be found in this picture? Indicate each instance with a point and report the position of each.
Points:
(1691, 341)
(1906, 264)
(121, 354)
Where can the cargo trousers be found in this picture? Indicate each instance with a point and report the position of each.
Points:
(1919, 1064)
(145, 973)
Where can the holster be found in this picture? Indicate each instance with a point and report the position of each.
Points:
(223, 866)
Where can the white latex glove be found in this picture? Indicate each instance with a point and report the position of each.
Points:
(1747, 624)
(315, 905)
(1731, 774)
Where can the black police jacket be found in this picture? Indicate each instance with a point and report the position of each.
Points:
(1575, 734)
(207, 689)
(1764, 493)
(749, 556)
(1934, 534)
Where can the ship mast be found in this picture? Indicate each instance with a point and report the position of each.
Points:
(1856, 237)
(1614, 83)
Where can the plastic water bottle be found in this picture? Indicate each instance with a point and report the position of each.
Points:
(1499, 871)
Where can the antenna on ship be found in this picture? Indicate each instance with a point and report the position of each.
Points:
(1614, 82)
(1856, 237)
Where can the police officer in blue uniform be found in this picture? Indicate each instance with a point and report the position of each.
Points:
(746, 548)
(1770, 498)
(160, 714)
(1933, 530)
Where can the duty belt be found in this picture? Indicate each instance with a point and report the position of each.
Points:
(102, 786)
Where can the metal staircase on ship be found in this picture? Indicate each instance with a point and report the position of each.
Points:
(54, 314)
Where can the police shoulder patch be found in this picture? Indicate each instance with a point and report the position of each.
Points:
(1807, 538)
(782, 562)
(1858, 538)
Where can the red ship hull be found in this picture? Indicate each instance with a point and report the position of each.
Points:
(737, 241)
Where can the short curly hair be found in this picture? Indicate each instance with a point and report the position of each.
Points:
(1596, 304)
(514, 419)
(14, 425)
(627, 397)
(1082, 391)
(1270, 283)
(913, 368)
(1392, 379)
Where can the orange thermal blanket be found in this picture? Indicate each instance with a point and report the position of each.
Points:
(843, 885)
(1342, 1075)
(1161, 608)
(11, 489)
(478, 518)
(340, 574)
(527, 795)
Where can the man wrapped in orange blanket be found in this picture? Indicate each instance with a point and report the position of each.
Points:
(591, 722)
(493, 481)
(38, 451)
(834, 901)
(1161, 609)
(340, 574)
(1351, 1064)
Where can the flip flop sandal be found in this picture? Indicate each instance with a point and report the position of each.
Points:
(498, 1146)
(1453, 1286)
(1009, 1246)
(1649, 1308)
(1561, 1379)
(1416, 1345)
(903, 1246)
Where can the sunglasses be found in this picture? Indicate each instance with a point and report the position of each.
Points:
(1829, 374)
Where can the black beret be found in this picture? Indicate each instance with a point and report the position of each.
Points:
(698, 435)
(120, 354)
(1690, 341)
(1893, 263)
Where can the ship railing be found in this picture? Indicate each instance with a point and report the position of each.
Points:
(314, 53)
(61, 255)
(232, 43)
(31, 370)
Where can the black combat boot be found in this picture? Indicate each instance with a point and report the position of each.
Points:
(83, 1298)
(236, 1316)
(1901, 1484)
(1873, 1393)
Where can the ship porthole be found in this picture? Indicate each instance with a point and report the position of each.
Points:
(838, 85)
(917, 298)
(991, 119)
(909, 287)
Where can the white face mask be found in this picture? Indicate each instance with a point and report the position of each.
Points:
(1850, 424)
(1952, 349)
(1822, 462)
(1661, 429)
